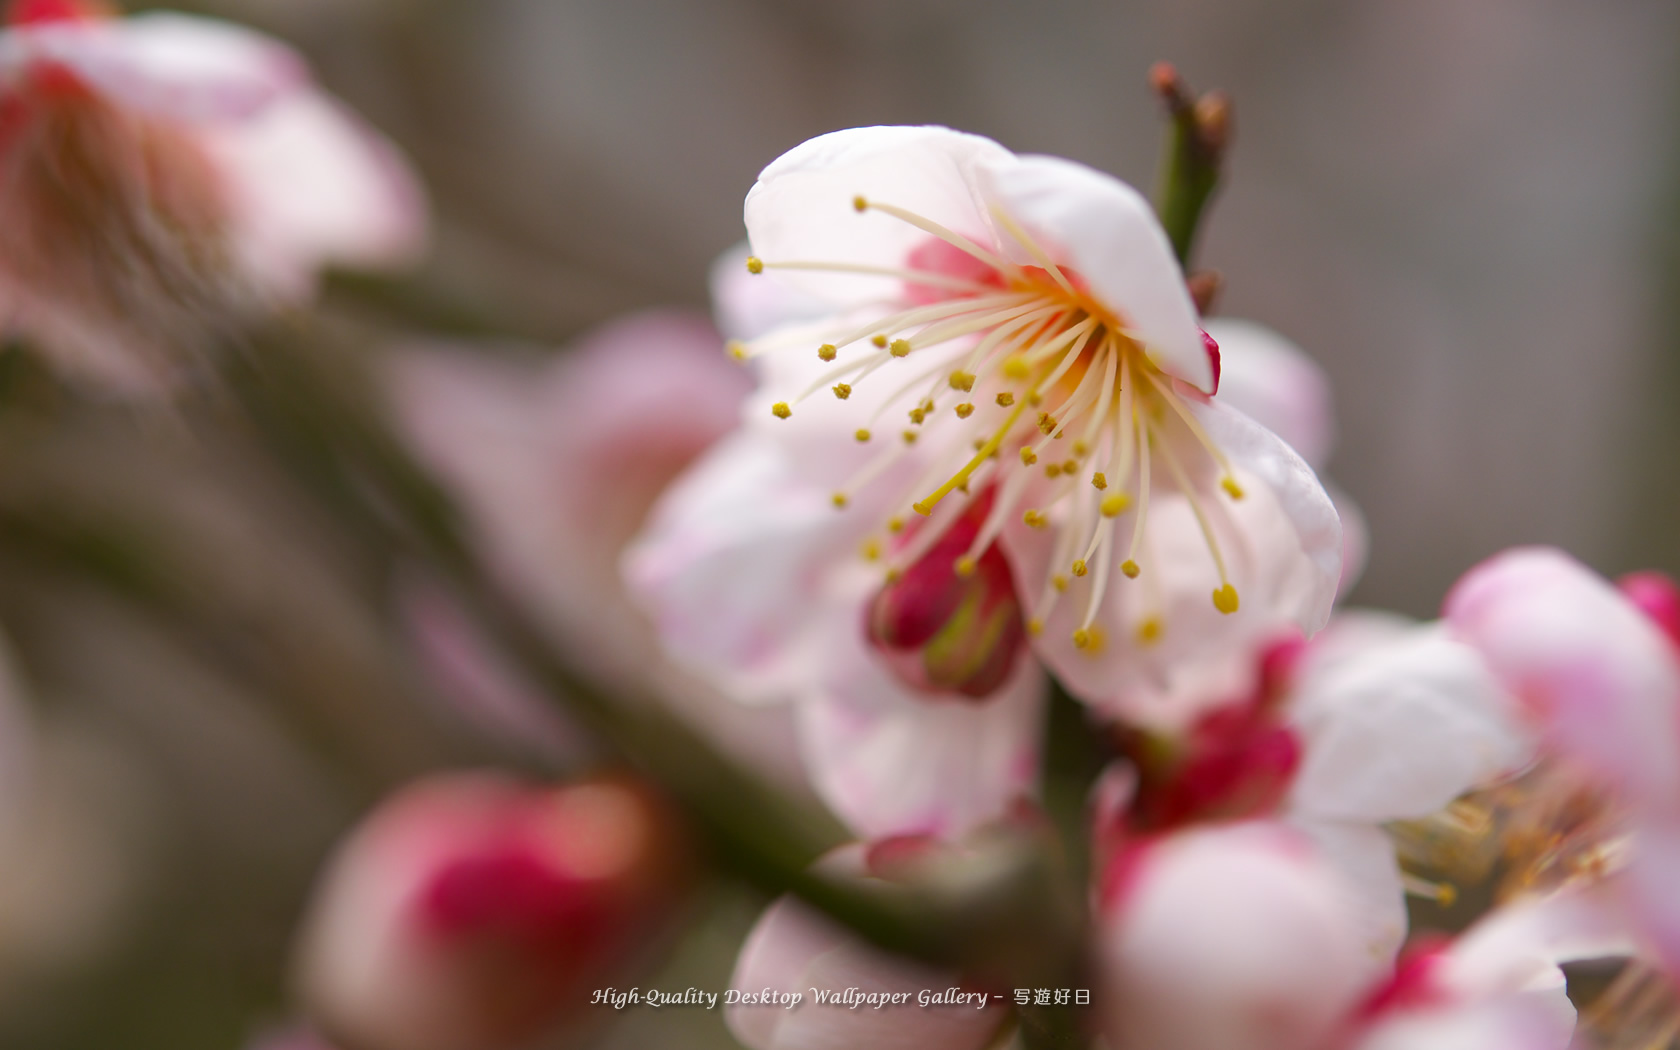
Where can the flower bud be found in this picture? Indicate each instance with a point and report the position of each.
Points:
(952, 623)
(472, 912)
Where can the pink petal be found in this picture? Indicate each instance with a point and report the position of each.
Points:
(1272, 381)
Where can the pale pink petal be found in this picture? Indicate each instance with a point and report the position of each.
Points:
(1108, 234)
(793, 950)
(1237, 938)
(1498, 1025)
(1363, 856)
(729, 564)
(1595, 675)
(1272, 381)
(309, 184)
(891, 760)
(1356, 538)
(172, 65)
(1648, 887)
(801, 209)
(1400, 730)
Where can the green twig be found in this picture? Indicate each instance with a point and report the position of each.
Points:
(1198, 131)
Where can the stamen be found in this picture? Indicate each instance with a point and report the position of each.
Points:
(1229, 482)
(925, 277)
(1039, 255)
(955, 240)
(1444, 894)
(1225, 598)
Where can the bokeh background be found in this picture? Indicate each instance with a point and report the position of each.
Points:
(1465, 209)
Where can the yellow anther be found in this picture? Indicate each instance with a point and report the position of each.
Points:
(1028, 456)
(860, 203)
(1081, 638)
(862, 434)
(736, 349)
(1035, 627)
(895, 525)
(880, 341)
(918, 414)
(1054, 470)
(965, 410)
(1099, 480)
(1070, 466)
(1113, 505)
(1060, 582)
(962, 486)
(963, 381)
(1036, 518)
(1232, 489)
(1130, 568)
(755, 264)
(781, 410)
(894, 575)
(1149, 630)
(965, 566)
(842, 390)
(1446, 895)
(1045, 422)
(1079, 568)
(899, 348)
(839, 499)
(827, 352)
(909, 437)
(1005, 399)
(872, 550)
(1017, 368)
(1225, 599)
(1035, 400)
(1080, 448)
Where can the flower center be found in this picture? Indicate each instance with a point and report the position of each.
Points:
(1027, 384)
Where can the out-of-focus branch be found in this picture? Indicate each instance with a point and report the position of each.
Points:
(1198, 133)
(307, 391)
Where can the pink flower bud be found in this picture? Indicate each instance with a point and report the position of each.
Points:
(472, 912)
(1657, 596)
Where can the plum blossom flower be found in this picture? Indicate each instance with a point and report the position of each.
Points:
(1025, 317)
(164, 177)
(1374, 720)
(1596, 670)
(471, 912)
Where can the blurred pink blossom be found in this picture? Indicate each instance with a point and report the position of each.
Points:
(162, 177)
(473, 912)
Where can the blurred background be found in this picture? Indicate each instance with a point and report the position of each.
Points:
(1465, 209)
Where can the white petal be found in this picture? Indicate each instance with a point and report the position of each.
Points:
(1590, 669)
(1401, 730)
(1272, 381)
(891, 760)
(1105, 231)
(801, 210)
